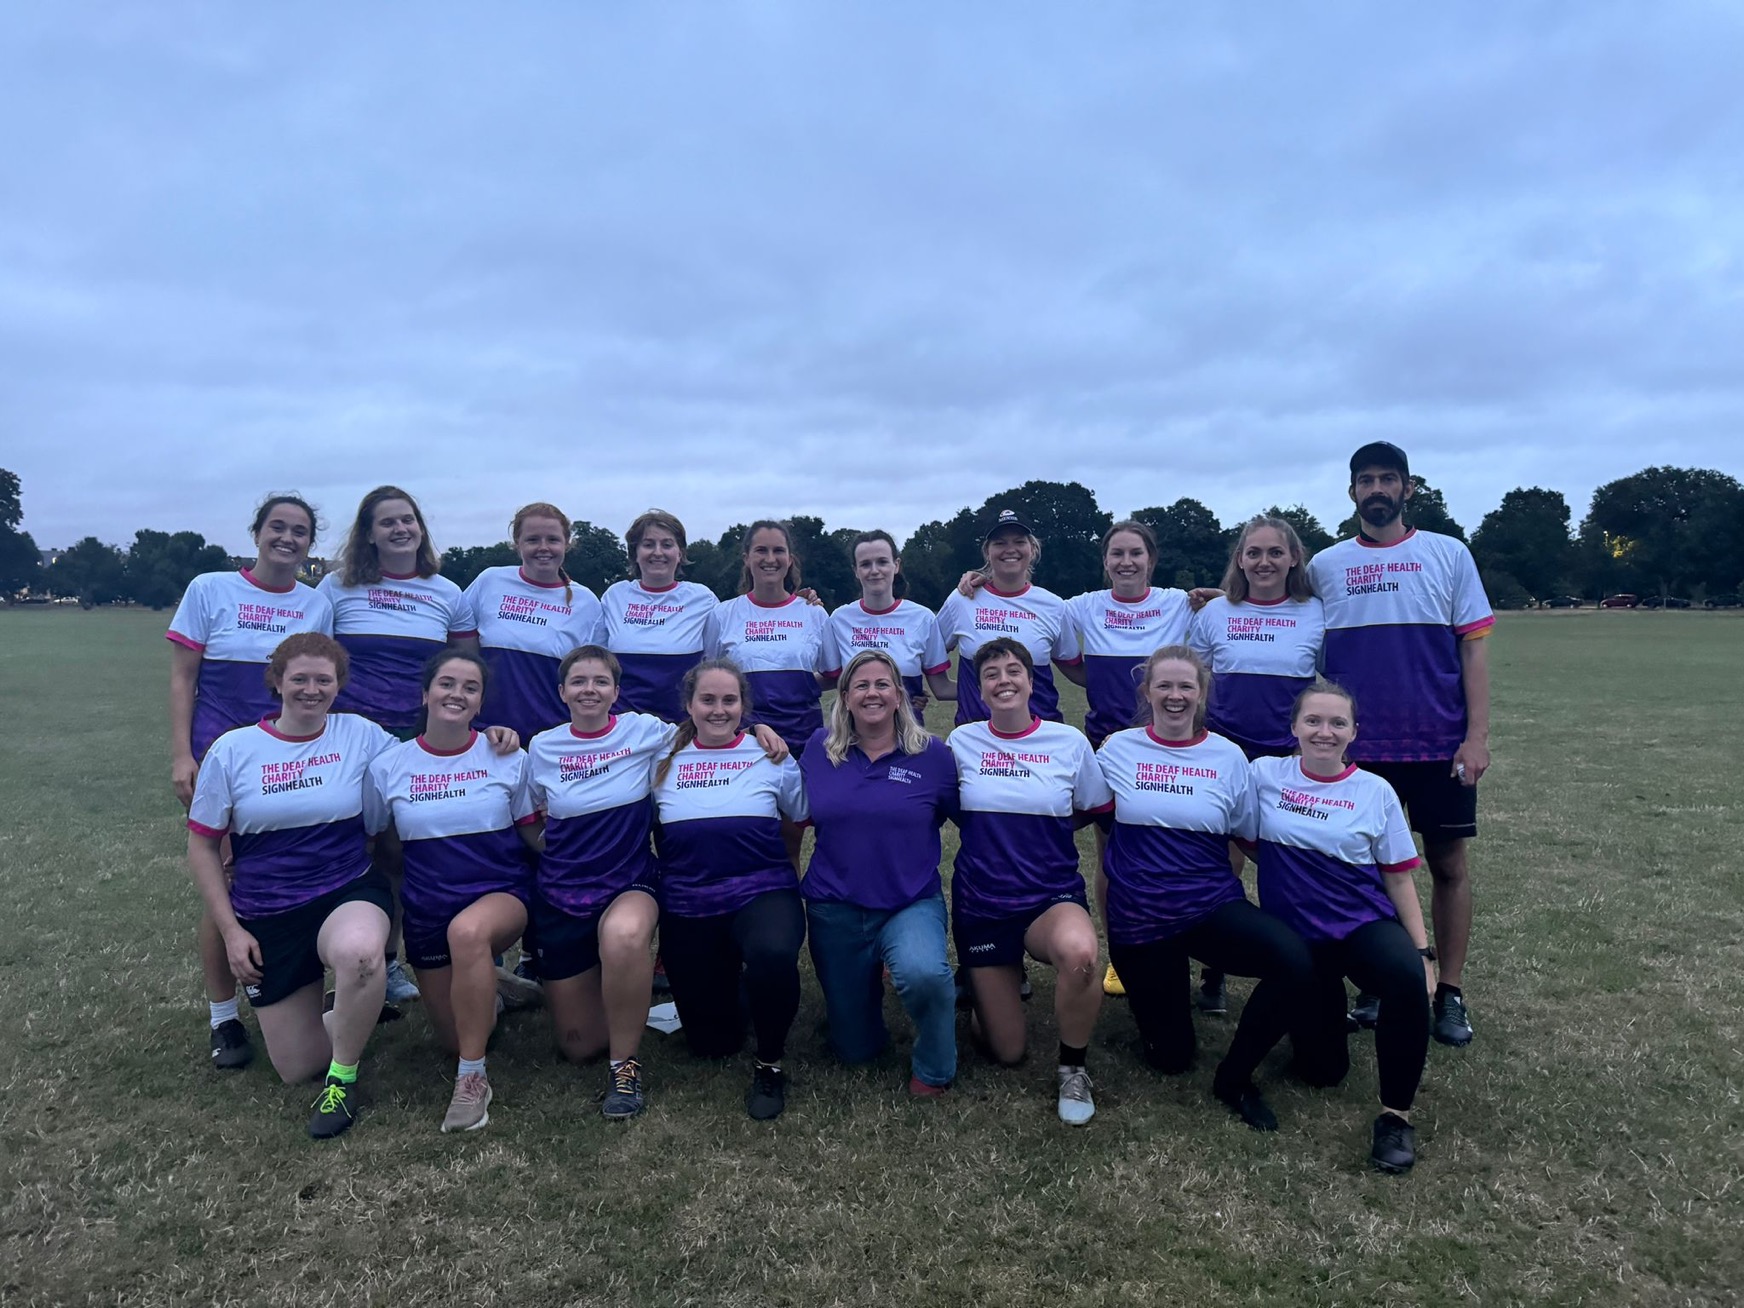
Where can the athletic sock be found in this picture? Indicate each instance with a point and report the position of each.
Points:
(226, 1011)
(618, 1062)
(469, 1065)
(340, 1072)
(1442, 988)
(1072, 1055)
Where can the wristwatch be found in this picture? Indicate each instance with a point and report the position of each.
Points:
(1428, 951)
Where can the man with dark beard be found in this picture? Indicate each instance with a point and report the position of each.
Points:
(1405, 620)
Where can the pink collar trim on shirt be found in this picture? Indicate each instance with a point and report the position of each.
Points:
(256, 582)
(1144, 598)
(1369, 544)
(657, 590)
(400, 576)
(1034, 725)
(543, 585)
(760, 604)
(895, 604)
(731, 744)
(1268, 604)
(1302, 766)
(269, 724)
(991, 589)
(1151, 731)
(579, 734)
(428, 748)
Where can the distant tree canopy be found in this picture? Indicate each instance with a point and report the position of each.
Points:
(160, 565)
(90, 572)
(1665, 531)
(20, 562)
(1192, 546)
(1526, 541)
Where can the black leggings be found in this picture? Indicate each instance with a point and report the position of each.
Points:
(707, 960)
(1379, 957)
(1234, 937)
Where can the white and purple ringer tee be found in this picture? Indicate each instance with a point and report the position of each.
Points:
(877, 823)
(906, 631)
(234, 623)
(293, 808)
(456, 815)
(1018, 797)
(1038, 618)
(524, 630)
(718, 843)
(779, 648)
(1324, 847)
(1261, 653)
(594, 790)
(1116, 636)
(1395, 615)
(658, 636)
(1177, 805)
(390, 628)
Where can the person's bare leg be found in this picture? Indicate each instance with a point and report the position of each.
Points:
(626, 935)
(998, 1020)
(351, 942)
(1450, 906)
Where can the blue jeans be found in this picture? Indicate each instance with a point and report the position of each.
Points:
(848, 946)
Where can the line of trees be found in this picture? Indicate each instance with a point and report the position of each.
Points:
(1668, 531)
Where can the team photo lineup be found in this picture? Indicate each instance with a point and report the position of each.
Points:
(398, 782)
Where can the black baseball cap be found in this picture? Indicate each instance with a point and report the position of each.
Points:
(1380, 454)
(1007, 518)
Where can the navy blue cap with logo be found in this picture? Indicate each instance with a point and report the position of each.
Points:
(1007, 518)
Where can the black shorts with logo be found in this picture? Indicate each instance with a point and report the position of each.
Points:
(998, 941)
(1438, 805)
(288, 960)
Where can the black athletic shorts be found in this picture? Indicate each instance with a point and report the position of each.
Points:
(288, 960)
(566, 944)
(998, 941)
(1437, 804)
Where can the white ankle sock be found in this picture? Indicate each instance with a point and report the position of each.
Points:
(226, 1011)
(469, 1065)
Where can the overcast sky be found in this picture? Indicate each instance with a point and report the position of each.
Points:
(871, 262)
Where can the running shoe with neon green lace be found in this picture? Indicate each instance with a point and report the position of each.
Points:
(335, 1110)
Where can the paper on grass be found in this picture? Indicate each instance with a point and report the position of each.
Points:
(664, 1018)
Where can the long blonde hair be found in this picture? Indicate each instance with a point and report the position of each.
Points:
(911, 737)
(687, 728)
(1296, 583)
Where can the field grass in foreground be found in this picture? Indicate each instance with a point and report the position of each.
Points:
(1584, 1150)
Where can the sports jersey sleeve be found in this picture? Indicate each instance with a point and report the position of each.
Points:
(463, 621)
(209, 813)
(192, 624)
(377, 813)
(1472, 617)
(1199, 638)
(952, 620)
(1090, 789)
(522, 806)
(1394, 850)
(830, 659)
(1244, 823)
(1068, 645)
(790, 796)
(933, 658)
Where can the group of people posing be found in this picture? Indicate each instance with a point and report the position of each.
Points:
(352, 758)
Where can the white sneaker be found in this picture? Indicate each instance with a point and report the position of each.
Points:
(1075, 1104)
(401, 987)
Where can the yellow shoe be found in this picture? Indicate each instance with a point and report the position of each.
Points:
(1111, 984)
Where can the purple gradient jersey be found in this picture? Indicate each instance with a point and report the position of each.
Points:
(234, 623)
(1261, 653)
(456, 815)
(906, 631)
(524, 630)
(1019, 798)
(718, 841)
(293, 808)
(390, 628)
(1395, 617)
(877, 823)
(779, 648)
(1035, 617)
(1325, 845)
(1177, 805)
(594, 791)
(658, 636)
(1116, 636)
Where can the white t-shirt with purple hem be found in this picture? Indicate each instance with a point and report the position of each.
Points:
(658, 636)
(456, 815)
(525, 628)
(718, 840)
(1262, 654)
(1177, 805)
(1325, 846)
(390, 628)
(234, 623)
(1018, 800)
(1116, 636)
(906, 631)
(595, 792)
(779, 648)
(293, 808)
(1036, 618)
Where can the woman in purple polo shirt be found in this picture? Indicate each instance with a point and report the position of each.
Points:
(879, 788)
(730, 914)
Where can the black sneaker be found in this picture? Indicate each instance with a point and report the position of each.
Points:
(335, 1110)
(1246, 1102)
(231, 1049)
(768, 1093)
(1395, 1147)
(1213, 994)
(1452, 1021)
(624, 1096)
(1366, 1011)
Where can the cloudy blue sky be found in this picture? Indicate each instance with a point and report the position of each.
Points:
(872, 262)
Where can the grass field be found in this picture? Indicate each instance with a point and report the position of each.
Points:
(1586, 1149)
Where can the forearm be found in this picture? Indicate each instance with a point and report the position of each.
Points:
(207, 869)
(1474, 669)
(1402, 890)
(1073, 672)
(181, 712)
(940, 686)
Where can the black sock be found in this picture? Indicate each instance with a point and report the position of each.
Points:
(1072, 1055)
(1442, 988)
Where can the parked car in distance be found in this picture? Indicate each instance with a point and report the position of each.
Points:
(1563, 602)
(1651, 602)
(1619, 601)
(1676, 602)
(1721, 602)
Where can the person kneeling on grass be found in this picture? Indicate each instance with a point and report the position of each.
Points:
(731, 919)
(1024, 786)
(879, 788)
(1335, 858)
(465, 823)
(289, 794)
